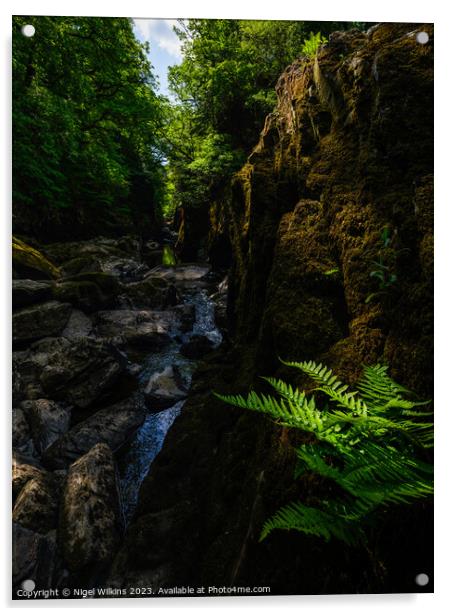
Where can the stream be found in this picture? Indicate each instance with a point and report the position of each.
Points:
(135, 463)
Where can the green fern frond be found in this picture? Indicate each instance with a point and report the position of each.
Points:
(316, 522)
(368, 443)
(319, 373)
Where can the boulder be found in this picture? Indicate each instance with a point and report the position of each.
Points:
(21, 435)
(147, 293)
(90, 523)
(113, 425)
(164, 389)
(23, 470)
(26, 292)
(149, 329)
(48, 421)
(181, 274)
(126, 270)
(99, 248)
(88, 291)
(40, 320)
(78, 371)
(37, 505)
(78, 326)
(28, 262)
(33, 557)
(196, 347)
(186, 314)
(80, 265)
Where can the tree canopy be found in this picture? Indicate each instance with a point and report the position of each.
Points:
(224, 88)
(85, 126)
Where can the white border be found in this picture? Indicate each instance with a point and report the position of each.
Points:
(329, 10)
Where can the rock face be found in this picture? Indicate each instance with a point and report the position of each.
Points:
(341, 178)
(344, 162)
(90, 520)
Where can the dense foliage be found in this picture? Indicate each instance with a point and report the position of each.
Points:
(370, 443)
(223, 89)
(85, 122)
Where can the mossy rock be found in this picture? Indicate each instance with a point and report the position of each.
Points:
(80, 265)
(28, 262)
(88, 291)
(106, 282)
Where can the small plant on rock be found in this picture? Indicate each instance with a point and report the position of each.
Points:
(311, 44)
(384, 269)
(371, 443)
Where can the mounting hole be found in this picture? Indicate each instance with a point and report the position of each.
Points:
(422, 579)
(28, 585)
(28, 30)
(422, 38)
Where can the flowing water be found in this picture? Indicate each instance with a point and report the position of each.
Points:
(148, 441)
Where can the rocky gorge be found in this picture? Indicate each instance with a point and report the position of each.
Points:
(104, 343)
(346, 154)
(116, 356)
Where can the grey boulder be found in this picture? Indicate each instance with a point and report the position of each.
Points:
(113, 425)
(40, 320)
(90, 522)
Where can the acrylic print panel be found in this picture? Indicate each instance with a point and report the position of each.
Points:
(196, 204)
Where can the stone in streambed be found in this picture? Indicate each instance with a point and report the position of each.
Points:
(90, 525)
(148, 293)
(149, 329)
(47, 420)
(113, 425)
(21, 434)
(78, 326)
(24, 469)
(77, 371)
(164, 389)
(26, 292)
(88, 291)
(40, 320)
(33, 557)
(36, 506)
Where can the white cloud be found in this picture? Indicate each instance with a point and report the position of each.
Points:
(160, 32)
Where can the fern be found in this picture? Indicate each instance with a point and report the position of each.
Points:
(368, 442)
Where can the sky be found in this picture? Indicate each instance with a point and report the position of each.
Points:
(164, 46)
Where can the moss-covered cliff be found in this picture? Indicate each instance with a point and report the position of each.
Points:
(330, 223)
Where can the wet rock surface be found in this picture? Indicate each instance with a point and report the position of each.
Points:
(164, 389)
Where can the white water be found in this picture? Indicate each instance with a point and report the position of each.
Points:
(134, 465)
